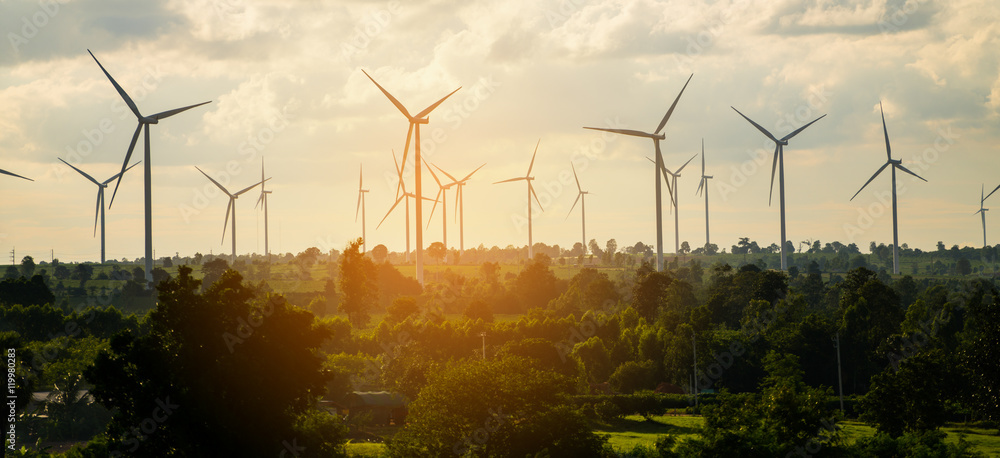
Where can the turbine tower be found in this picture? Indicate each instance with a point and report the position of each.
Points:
(703, 185)
(779, 165)
(401, 197)
(531, 192)
(147, 173)
(443, 196)
(414, 129)
(580, 197)
(231, 207)
(983, 211)
(101, 185)
(14, 175)
(361, 207)
(262, 201)
(896, 164)
(460, 204)
(673, 177)
(656, 136)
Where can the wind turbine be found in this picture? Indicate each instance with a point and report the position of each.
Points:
(262, 200)
(401, 197)
(14, 175)
(361, 206)
(983, 211)
(531, 192)
(414, 129)
(580, 197)
(231, 208)
(100, 199)
(460, 204)
(656, 136)
(703, 185)
(443, 196)
(896, 164)
(674, 176)
(147, 174)
(779, 165)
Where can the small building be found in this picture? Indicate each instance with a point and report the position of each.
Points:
(385, 408)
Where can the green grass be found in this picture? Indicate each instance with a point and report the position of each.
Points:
(625, 434)
(365, 449)
(985, 441)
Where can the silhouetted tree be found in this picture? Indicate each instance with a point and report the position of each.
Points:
(27, 267)
(379, 253)
(437, 250)
(358, 283)
(212, 271)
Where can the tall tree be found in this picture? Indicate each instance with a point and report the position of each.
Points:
(358, 283)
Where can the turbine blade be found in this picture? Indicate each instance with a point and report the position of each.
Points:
(120, 173)
(434, 105)
(800, 129)
(226, 223)
(97, 213)
(774, 167)
(436, 180)
(758, 126)
(391, 98)
(532, 164)
(458, 200)
(701, 184)
(361, 176)
(634, 133)
(663, 169)
(576, 177)
(223, 188)
(900, 167)
(437, 198)
(406, 150)
(169, 113)
(259, 200)
(978, 211)
(870, 179)
(121, 92)
(574, 206)
(128, 155)
(14, 175)
(241, 191)
(81, 172)
(991, 192)
(453, 180)
(398, 200)
(885, 131)
(685, 164)
(357, 209)
(672, 106)
(512, 179)
(400, 184)
(532, 190)
(463, 180)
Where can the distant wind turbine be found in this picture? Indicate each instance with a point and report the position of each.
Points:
(147, 174)
(779, 165)
(673, 177)
(361, 206)
(896, 164)
(982, 210)
(231, 207)
(656, 136)
(414, 129)
(460, 204)
(14, 175)
(580, 197)
(101, 185)
(442, 196)
(703, 185)
(262, 201)
(401, 197)
(531, 193)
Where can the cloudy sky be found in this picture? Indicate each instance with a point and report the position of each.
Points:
(286, 84)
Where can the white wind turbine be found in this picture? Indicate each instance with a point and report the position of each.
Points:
(982, 210)
(779, 165)
(262, 201)
(460, 204)
(101, 185)
(656, 136)
(401, 197)
(147, 173)
(896, 164)
(361, 207)
(703, 185)
(673, 177)
(414, 129)
(531, 193)
(231, 207)
(442, 196)
(581, 198)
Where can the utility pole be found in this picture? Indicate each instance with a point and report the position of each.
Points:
(483, 335)
(840, 378)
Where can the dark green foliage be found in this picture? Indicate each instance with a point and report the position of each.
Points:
(25, 292)
(633, 376)
(479, 310)
(911, 445)
(211, 271)
(402, 308)
(913, 399)
(981, 355)
(358, 283)
(535, 286)
(224, 373)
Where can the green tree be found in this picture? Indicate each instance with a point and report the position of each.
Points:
(27, 266)
(212, 271)
(358, 283)
(380, 253)
(479, 309)
(535, 286)
(914, 398)
(633, 376)
(196, 383)
(500, 408)
(402, 308)
(438, 251)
